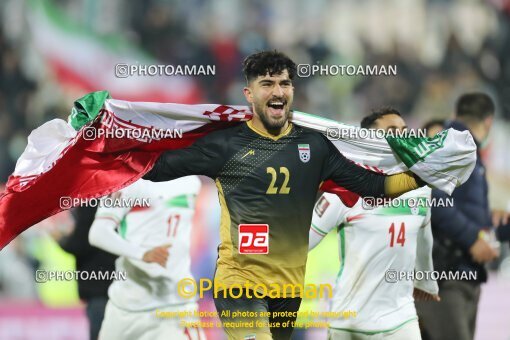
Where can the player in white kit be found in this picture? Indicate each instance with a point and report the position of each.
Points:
(153, 244)
(377, 243)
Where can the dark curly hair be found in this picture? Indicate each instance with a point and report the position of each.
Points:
(262, 63)
(369, 121)
(434, 122)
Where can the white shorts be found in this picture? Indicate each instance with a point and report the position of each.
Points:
(121, 324)
(409, 331)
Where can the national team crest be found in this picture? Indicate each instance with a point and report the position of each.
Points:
(304, 152)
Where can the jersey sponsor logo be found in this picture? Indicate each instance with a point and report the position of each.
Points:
(304, 152)
(321, 206)
(253, 238)
(249, 153)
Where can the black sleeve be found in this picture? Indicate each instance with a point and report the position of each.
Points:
(204, 157)
(351, 176)
(77, 242)
(503, 232)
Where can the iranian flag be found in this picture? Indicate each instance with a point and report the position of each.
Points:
(83, 61)
(108, 144)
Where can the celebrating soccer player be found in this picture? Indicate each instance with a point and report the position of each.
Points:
(268, 172)
(377, 245)
(153, 243)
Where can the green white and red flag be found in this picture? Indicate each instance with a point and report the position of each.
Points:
(107, 144)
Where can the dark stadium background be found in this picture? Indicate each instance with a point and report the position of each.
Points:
(52, 52)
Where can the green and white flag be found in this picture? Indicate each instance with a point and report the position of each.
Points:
(444, 161)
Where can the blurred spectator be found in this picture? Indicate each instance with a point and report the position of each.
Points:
(91, 259)
(460, 243)
(15, 91)
(501, 220)
(433, 127)
(17, 272)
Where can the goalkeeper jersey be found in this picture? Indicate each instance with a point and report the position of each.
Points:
(267, 186)
(375, 246)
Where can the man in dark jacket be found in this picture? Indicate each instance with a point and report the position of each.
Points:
(501, 220)
(460, 235)
(89, 259)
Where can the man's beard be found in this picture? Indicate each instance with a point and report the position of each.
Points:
(269, 123)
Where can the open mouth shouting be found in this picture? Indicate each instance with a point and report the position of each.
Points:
(276, 108)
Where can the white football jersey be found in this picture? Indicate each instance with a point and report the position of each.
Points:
(373, 242)
(166, 220)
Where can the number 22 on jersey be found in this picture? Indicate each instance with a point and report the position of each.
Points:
(284, 189)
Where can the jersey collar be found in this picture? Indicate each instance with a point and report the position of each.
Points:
(267, 135)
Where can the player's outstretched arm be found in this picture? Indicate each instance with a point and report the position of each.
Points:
(370, 184)
(327, 213)
(157, 255)
(425, 290)
(315, 237)
(396, 185)
(364, 182)
(102, 234)
(202, 158)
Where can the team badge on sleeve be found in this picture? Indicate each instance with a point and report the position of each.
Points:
(321, 206)
(304, 152)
